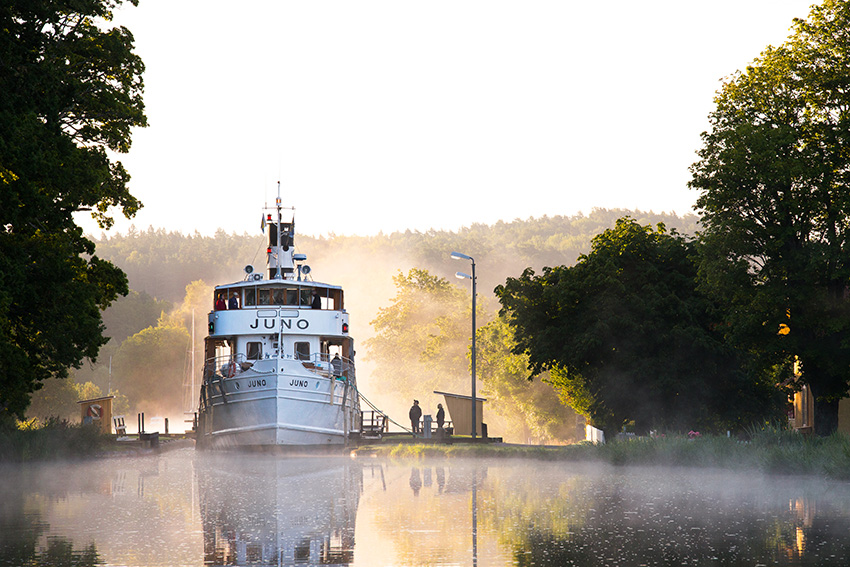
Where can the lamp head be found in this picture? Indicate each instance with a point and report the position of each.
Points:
(459, 256)
(462, 276)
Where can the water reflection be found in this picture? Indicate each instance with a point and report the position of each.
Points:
(635, 518)
(531, 513)
(26, 537)
(188, 509)
(267, 510)
(415, 481)
(109, 511)
(428, 514)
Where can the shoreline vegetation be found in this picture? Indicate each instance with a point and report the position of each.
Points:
(51, 440)
(772, 450)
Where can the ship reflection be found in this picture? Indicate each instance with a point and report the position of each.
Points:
(278, 510)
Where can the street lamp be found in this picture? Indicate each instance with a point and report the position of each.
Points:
(461, 275)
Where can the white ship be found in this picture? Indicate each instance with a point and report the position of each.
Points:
(279, 362)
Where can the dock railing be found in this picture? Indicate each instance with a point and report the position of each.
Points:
(447, 429)
(373, 424)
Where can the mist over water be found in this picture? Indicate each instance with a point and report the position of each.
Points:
(186, 508)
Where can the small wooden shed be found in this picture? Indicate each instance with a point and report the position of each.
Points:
(460, 413)
(98, 411)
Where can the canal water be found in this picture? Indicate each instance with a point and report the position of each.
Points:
(180, 507)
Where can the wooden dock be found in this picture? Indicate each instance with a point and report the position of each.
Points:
(402, 437)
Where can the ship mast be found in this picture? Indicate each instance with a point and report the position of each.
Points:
(192, 397)
(277, 204)
(279, 262)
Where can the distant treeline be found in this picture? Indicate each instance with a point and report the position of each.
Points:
(162, 263)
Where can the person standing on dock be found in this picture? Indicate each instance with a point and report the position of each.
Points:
(415, 414)
(441, 416)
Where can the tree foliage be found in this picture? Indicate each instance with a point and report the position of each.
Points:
(774, 183)
(421, 339)
(626, 335)
(69, 91)
(422, 343)
(529, 408)
(152, 380)
(130, 314)
(57, 398)
(148, 369)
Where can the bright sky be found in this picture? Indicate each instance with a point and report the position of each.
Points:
(392, 115)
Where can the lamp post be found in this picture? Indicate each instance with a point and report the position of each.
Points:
(461, 275)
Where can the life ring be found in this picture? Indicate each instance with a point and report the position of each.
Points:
(94, 411)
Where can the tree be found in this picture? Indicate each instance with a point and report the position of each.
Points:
(774, 182)
(70, 92)
(192, 310)
(58, 398)
(531, 407)
(148, 369)
(422, 344)
(88, 391)
(421, 340)
(621, 333)
(132, 313)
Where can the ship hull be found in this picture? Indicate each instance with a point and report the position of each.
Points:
(284, 406)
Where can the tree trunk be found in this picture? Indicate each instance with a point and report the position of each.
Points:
(826, 417)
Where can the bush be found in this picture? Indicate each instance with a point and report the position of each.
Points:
(53, 439)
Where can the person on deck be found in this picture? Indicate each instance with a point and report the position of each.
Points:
(336, 366)
(414, 414)
(316, 302)
(220, 305)
(233, 303)
(441, 416)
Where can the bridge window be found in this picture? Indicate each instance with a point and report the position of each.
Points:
(306, 296)
(265, 296)
(250, 296)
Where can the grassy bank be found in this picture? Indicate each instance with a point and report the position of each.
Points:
(55, 439)
(771, 451)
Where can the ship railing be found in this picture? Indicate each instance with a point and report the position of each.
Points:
(226, 366)
(328, 366)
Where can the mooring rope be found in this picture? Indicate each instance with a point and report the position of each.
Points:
(374, 407)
